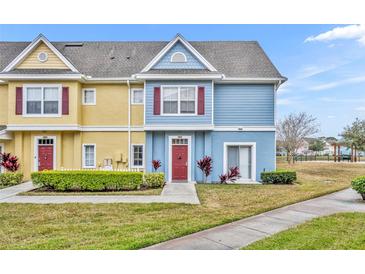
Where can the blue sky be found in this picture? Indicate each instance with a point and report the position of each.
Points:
(326, 73)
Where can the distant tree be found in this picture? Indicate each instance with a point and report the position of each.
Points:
(354, 134)
(331, 140)
(292, 130)
(317, 145)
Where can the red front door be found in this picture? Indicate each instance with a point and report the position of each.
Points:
(45, 157)
(179, 162)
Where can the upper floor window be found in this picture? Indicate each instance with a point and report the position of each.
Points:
(137, 96)
(42, 100)
(89, 96)
(179, 100)
(178, 57)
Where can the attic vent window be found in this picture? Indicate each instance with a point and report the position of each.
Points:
(42, 57)
(178, 57)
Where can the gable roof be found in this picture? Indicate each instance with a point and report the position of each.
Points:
(178, 39)
(234, 59)
(28, 50)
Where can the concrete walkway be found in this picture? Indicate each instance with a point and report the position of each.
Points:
(241, 233)
(172, 193)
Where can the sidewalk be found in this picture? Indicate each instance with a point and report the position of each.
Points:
(241, 233)
(172, 193)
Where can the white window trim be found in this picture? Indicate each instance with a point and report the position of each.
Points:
(132, 91)
(253, 158)
(178, 100)
(2, 151)
(42, 60)
(42, 86)
(83, 156)
(36, 138)
(170, 156)
(132, 156)
(178, 52)
(83, 97)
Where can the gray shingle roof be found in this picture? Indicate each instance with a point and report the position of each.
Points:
(122, 59)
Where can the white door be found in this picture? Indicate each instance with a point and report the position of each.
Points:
(240, 156)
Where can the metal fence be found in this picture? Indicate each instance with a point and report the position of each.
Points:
(329, 158)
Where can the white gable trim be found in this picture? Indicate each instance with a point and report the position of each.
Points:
(24, 54)
(178, 38)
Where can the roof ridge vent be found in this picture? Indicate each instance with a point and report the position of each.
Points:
(74, 44)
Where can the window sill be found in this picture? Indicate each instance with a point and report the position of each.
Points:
(41, 115)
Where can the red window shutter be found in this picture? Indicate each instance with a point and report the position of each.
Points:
(19, 101)
(157, 101)
(201, 95)
(65, 108)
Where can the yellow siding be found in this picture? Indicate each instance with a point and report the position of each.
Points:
(32, 62)
(3, 104)
(137, 115)
(109, 145)
(138, 137)
(111, 106)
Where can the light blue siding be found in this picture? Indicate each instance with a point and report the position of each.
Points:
(192, 61)
(211, 144)
(181, 119)
(265, 150)
(246, 105)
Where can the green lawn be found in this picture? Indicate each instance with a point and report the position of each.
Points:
(339, 231)
(42, 192)
(132, 226)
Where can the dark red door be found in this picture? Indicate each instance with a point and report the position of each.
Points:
(45, 157)
(179, 162)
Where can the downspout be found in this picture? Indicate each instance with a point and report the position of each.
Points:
(129, 125)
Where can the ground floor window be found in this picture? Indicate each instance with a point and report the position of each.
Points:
(240, 156)
(137, 155)
(89, 155)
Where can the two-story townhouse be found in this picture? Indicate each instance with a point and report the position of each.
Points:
(123, 104)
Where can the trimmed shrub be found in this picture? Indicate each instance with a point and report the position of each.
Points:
(154, 180)
(279, 177)
(358, 184)
(88, 180)
(10, 178)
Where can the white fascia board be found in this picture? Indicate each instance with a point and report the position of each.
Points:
(178, 38)
(178, 127)
(110, 128)
(251, 80)
(72, 128)
(40, 38)
(244, 128)
(42, 127)
(178, 76)
(41, 76)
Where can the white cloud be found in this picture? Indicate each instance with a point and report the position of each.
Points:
(349, 32)
(351, 80)
(331, 116)
(312, 70)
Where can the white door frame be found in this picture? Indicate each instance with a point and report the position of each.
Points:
(253, 157)
(2, 151)
(170, 155)
(36, 138)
